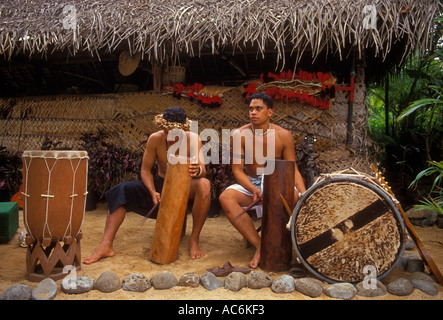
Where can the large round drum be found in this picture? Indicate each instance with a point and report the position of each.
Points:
(55, 188)
(345, 227)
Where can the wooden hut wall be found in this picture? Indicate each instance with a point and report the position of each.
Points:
(126, 120)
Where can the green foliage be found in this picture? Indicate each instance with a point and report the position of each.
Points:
(434, 203)
(411, 98)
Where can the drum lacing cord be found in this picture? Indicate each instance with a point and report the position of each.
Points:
(47, 196)
(27, 165)
(72, 196)
(375, 181)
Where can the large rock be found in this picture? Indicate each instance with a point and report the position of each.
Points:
(400, 287)
(107, 282)
(235, 281)
(365, 289)
(283, 284)
(344, 291)
(210, 282)
(17, 292)
(164, 280)
(77, 285)
(422, 217)
(136, 282)
(309, 287)
(45, 290)
(425, 286)
(259, 279)
(190, 279)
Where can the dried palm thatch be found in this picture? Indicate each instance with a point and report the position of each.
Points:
(159, 28)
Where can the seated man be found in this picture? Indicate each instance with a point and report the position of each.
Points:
(141, 196)
(275, 142)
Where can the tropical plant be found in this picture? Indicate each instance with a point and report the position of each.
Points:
(10, 170)
(108, 164)
(111, 166)
(434, 203)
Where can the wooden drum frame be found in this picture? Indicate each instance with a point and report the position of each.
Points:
(345, 222)
(55, 188)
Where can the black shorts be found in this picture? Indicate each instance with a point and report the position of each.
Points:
(134, 196)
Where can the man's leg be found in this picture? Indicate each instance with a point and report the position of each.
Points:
(232, 202)
(201, 193)
(105, 249)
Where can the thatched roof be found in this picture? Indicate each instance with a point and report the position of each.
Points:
(159, 28)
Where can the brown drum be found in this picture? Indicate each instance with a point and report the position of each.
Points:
(276, 246)
(344, 224)
(171, 213)
(55, 188)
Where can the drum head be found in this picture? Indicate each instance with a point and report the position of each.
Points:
(342, 224)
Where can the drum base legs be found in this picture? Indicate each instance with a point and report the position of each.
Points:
(49, 261)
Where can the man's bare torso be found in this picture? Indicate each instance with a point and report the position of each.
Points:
(261, 146)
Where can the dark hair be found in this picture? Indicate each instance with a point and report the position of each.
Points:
(266, 99)
(175, 114)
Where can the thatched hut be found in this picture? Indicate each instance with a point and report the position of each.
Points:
(60, 73)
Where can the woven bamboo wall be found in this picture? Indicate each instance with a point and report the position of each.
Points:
(127, 119)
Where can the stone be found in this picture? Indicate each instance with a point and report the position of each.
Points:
(136, 282)
(415, 265)
(76, 285)
(400, 287)
(309, 287)
(409, 244)
(421, 217)
(210, 282)
(402, 263)
(259, 280)
(419, 276)
(439, 222)
(425, 286)
(164, 280)
(283, 284)
(344, 291)
(235, 281)
(17, 292)
(366, 289)
(107, 282)
(45, 290)
(429, 220)
(190, 279)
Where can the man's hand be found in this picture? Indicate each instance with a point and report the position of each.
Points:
(256, 194)
(156, 197)
(195, 170)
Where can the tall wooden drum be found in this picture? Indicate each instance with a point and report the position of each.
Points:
(276, 246)
(55, 188)
(171, 214)
(345, 227)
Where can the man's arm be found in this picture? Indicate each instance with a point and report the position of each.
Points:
(289, 154)
(147, 178)
(197, 169)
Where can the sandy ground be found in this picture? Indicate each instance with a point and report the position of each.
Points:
(219, 239)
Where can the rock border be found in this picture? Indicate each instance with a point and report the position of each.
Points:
(109, 282)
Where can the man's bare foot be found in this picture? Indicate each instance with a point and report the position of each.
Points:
(194, 250)
(255, 260)
(100, 252)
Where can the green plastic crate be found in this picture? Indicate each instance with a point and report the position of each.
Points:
(8, 220)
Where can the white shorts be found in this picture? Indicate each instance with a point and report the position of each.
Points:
(257, 182)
